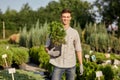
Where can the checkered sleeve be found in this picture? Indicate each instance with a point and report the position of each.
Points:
(77, 42)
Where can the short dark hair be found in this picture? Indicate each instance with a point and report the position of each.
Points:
(65, 11)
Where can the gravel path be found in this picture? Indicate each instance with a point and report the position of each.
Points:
(31, 67)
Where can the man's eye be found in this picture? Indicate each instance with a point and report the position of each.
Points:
(64, 16)
(68, 17)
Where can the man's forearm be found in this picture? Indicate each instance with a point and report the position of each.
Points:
(79, 55)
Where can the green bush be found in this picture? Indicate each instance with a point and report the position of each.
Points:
(5, 41)
(114, 56)
(34, 54)
(23, 38)
(97, 37)
(85, 49)
(89, 71)
(17, 55)
(115, 44)
(103, 41)
(117, 73)
(44, 59)
(35, 36)
(39, 56)
(20, 55)
(107, 72)
(9, 53)
(100, 57)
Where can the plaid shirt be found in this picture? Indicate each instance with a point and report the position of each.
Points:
(67, 58)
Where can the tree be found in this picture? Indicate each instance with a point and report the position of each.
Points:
(0, 12)
(25, 15)
(110, 11)
(80, 11)
(53, 9)
(1, 19)
(10, 18)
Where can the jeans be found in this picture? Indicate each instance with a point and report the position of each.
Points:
(58, 72)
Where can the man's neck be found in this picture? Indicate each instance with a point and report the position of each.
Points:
(66, 27)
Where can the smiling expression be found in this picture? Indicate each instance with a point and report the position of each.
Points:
(66, 18)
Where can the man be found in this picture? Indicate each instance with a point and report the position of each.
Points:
(64, 59)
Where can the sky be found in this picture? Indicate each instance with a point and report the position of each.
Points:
(17, 4)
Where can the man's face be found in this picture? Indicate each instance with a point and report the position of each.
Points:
(66, 18)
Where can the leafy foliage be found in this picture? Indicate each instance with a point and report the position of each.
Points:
(107, 72)
(17, 55)
(35, 36)
(85, 49)
(39, 56)
(97, 37)
(9, 54)
(20, 55)
(20, 75)
(89, 71)
(44, 59)
(109, 10)
(34, 55)
(57, 33)
(15, 21)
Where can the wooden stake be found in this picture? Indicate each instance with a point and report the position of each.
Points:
(3, 30)
(12, 71)
(6, 62)
(12, 76)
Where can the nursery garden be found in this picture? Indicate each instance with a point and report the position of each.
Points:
(100, 53)
(23, 35)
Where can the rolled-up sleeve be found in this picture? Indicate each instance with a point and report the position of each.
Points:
(77, 42)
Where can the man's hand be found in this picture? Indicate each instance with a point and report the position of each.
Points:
(53, 53)
(81, 69)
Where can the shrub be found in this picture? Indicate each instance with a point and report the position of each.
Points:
(5, 41)
(117, 73)
(34, 54)
(35, 36)
(89, 71)
(115, 44)
(44, 58)
(23, 38)
(100, 57)
(39, 56)
(103, 41)
(114, 56)
(96, 36)
(20, 55)
(107, 72)
(8, 59)
(85, 49)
